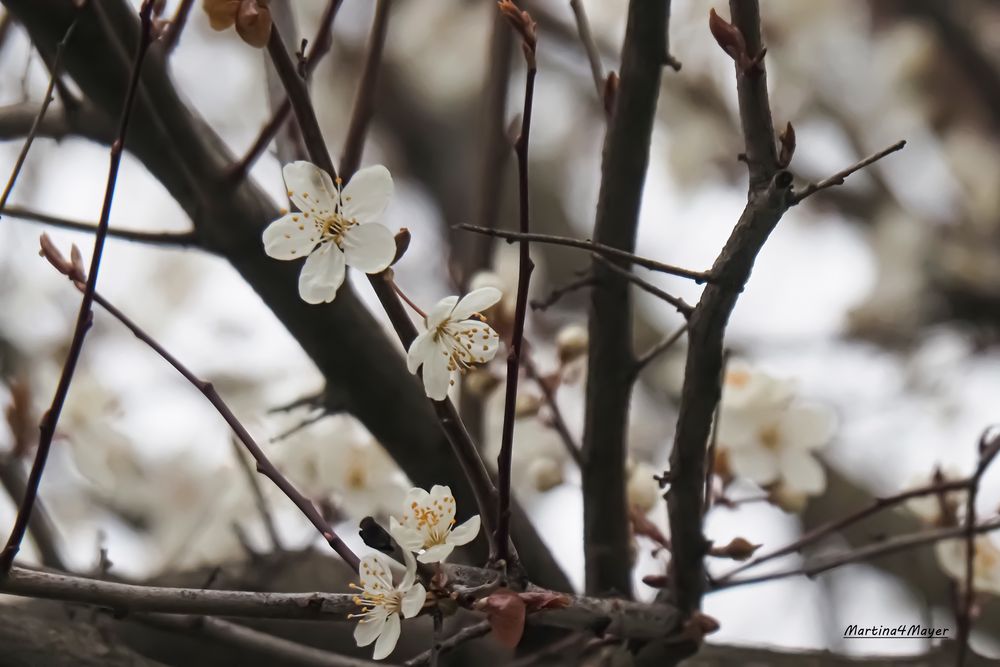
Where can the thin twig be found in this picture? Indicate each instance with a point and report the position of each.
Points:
(558, 421)
(652, 353)
(988, 450)
(179, 239)
(586, 280)
(258, 498)
(464, 635)
(840, 176)
(41, 530)
(521, 22)
(589, 46)
(364, 99)
(883, 548)
(173, 34)
(320, 46)
(46, 101)
(678, 303)
(598, 248)
(47, 428)
(819, 532)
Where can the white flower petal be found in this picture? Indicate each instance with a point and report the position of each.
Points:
(437, 375)
(367, 194)
(310, 189)
(322, 274)
(369, 248)
(807, 426)
(739, 428)
(443, 503)
(476, 301)
(420, 349)
(418, 496)
(413, 601)
(436, 554)
(464, 533)
(411, 571)
(370, 627)
(801, 471)
(374, 571)
(290, 237)
(440, 312)
(387, 640)
(408, 538)
(755, 463)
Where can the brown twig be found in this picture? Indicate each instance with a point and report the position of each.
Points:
(466, 634)
(838, 178)
(558, 421)
(177, 23)
(652, 353)
(320, 46)
(883, 548)
(594, 247)
(180, 239)
(589, 46)
(988, 450)
(46, 101)
(559, 292)
(41, 531)
(713, 444)
(47, 428)
(679, 304)
(364, 99)
(521, 22)
(258, 498)
(819, 532)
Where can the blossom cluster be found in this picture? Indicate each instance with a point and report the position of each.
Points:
(426, 528)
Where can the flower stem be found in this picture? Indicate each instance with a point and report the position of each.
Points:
(402, 295)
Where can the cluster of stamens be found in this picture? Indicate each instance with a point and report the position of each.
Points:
(331, 225)
(428, 518)
(463, 347)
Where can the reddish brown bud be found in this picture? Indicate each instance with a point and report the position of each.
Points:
(787, 140)
(737, 549)
(253, 22)
(610, 92)
(402, 244)
(728, 37)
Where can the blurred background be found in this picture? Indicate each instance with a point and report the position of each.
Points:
(878, 300)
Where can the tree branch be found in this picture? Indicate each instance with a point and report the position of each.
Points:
(609, 376)
(180, 239)
(838, 178)
(678, 303)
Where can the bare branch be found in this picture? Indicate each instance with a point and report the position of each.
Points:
(466, 634)
(46, 100)
(558, 421)
(840, 176)
(522, 23)
(258, 498)
(594, 247)
(180, 239)
(679, 304)
(173, 33)
(658, 349)
(589, 46)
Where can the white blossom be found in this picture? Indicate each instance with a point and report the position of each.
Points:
(428, 525)
(333, 228)
(642, 490)
(382, 603)
(928, 508)
(951, 555)
(456, 338)
(768, 438)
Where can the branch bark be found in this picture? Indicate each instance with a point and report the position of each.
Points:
(609, 376)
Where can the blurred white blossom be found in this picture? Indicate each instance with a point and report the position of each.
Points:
(642, 489)
(768, 438)
(951, 555)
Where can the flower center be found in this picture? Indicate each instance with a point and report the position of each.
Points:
(462, 354)
(770, 436)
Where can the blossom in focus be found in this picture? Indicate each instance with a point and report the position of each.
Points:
(252, 18)
(456, 339)
(768, 438)
(382, 603)
(334, 227)
(428, 525)
(951, 555)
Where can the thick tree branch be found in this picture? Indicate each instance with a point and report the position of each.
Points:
(609, 376)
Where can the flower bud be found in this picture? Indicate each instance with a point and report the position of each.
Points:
(572, 342)
(545, 473)
(253, 22)
(527, 405)
(643, 490)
